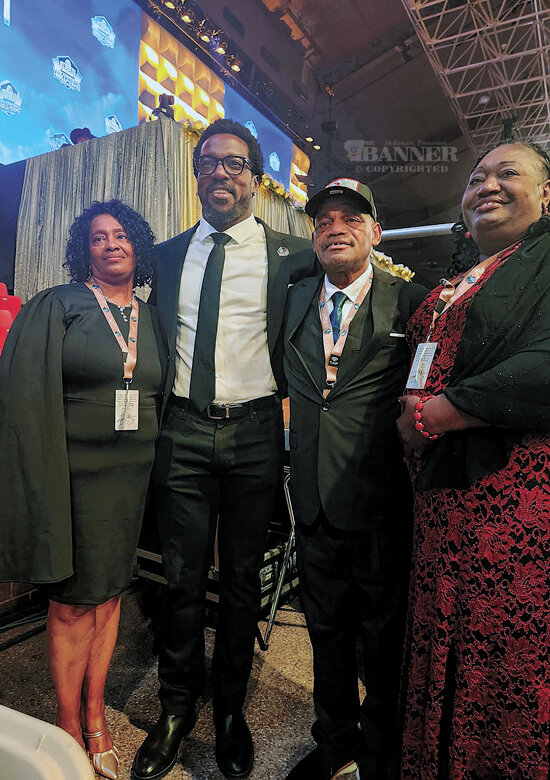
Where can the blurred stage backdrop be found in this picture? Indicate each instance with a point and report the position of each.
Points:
(102, 64)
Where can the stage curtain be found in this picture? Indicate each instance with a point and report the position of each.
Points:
(280, 214)
(299, 224)
(149, 167)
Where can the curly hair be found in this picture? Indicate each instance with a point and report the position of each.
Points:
(77, 256)
(229, 127)
(466, 252)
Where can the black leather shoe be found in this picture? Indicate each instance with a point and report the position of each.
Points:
(234, 747)
(314, 766)
(159, 751)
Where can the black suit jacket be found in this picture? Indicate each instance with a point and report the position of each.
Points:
(344, 452)
(289, 258)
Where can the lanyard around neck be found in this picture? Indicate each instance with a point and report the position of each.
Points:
(333, 351)
(129, 349)
(450, 286)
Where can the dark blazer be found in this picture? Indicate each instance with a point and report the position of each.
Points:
(283, 270)
(344, 452)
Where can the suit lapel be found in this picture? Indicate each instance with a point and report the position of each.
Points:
(303, 294)
(278, 277)
(172, 256)
(383, 294)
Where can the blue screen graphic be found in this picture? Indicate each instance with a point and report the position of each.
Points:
(64, 65)
(276, 146)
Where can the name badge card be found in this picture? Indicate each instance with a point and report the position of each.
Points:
(126, 410)
(126, 401)
(422, 363)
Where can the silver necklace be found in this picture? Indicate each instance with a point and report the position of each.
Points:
(122, 309)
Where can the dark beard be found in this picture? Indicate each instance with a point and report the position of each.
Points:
(223, 219)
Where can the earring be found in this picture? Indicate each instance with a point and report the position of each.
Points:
(467, 234)
(544, 209)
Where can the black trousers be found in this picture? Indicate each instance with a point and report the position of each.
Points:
(353, 586)
(205, 468)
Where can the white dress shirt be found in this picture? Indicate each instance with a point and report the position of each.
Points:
(352, 291)
(243, 367)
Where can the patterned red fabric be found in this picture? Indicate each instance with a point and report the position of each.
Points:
(476, 681)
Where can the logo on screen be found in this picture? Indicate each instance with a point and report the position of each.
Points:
(10, 99)
(102, 30)
(67, 72)
(252, 127)
(112, 125)
(57, 140)
(274, 161)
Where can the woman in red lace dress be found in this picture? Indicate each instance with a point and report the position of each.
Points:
(476, 429)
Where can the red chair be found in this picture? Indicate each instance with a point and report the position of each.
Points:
(5, 323)
(11, 303)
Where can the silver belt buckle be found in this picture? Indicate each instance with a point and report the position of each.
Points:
(226, 407)
(215, 416)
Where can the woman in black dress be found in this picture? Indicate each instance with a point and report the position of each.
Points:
(79, 379)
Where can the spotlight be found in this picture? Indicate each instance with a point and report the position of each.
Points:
(316, 147)
(234, 64)
(188, 17)
(164, 106)
(309, 139)
(169, 4)
(204, 32)
(219, 46)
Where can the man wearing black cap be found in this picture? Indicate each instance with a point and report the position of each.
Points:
(80, 135)
(346, 361)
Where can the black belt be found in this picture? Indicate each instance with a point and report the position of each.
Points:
(225, 411)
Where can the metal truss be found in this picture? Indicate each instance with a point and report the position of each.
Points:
(492, 58)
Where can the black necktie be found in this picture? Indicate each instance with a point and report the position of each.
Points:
(203, 372)
(338, 299)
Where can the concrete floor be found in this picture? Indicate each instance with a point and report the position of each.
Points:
(279, 707)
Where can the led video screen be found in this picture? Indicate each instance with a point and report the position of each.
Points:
(276, 146)
(65, 65)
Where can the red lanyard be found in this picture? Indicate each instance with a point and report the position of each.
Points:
(333, 351)
(129, 349)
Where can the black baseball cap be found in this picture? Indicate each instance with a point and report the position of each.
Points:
(342, 187)
(81, 132)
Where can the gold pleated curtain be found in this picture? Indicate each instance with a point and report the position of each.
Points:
(148, 167)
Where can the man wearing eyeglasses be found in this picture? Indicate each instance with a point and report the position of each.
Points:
(220, 290)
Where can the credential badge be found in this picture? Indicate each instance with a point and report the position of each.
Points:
(283, 251)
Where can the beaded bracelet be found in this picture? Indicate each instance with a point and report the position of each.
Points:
(419, 425)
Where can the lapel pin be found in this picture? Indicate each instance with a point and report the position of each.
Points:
(283, 251)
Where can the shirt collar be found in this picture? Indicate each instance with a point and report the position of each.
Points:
(240, 232)
(353, 289)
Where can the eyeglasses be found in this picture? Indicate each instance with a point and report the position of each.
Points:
(233, 164)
